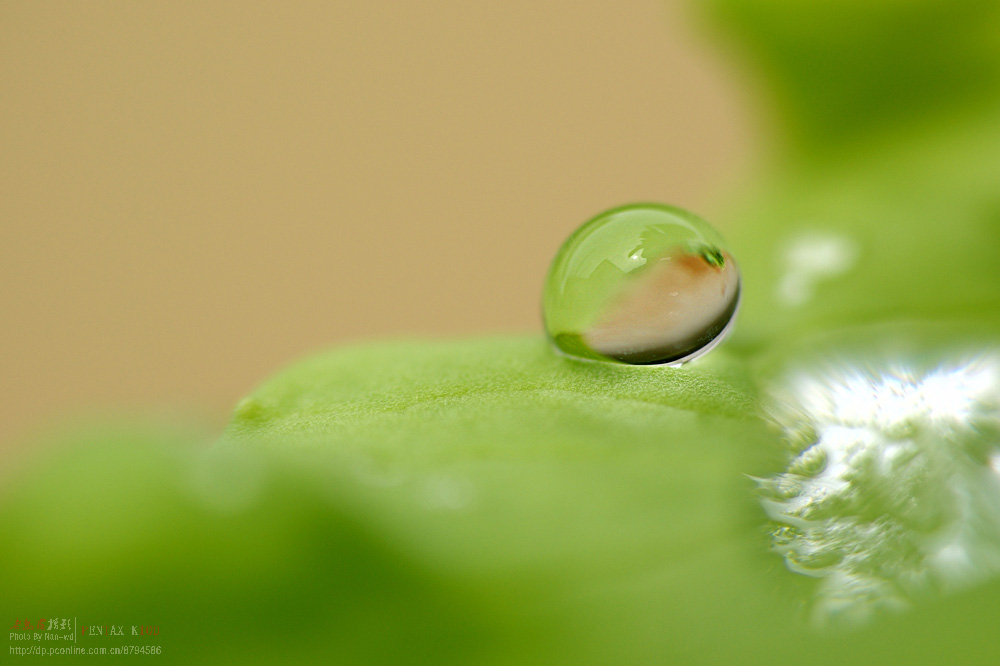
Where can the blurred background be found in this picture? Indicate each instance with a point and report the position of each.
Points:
(194, 194)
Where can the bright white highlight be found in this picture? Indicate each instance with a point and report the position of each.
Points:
(947, 397)
(894, 490)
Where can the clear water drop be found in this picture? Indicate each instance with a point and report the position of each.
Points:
(646, 284)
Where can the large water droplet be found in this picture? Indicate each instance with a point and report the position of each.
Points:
(644, 284)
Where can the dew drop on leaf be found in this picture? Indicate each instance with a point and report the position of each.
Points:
(644, 284)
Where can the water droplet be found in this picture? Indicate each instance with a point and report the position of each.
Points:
(810, 259)
(646, 284)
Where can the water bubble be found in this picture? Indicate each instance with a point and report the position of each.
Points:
(646, 284)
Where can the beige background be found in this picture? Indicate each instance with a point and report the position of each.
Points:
(194, 193)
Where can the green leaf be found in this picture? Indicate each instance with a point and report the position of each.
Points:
(904, 230)
(848, 71)
(461, 441)
(576, 493)
(227, 556)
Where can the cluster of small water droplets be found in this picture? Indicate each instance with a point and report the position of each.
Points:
(892, 491)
